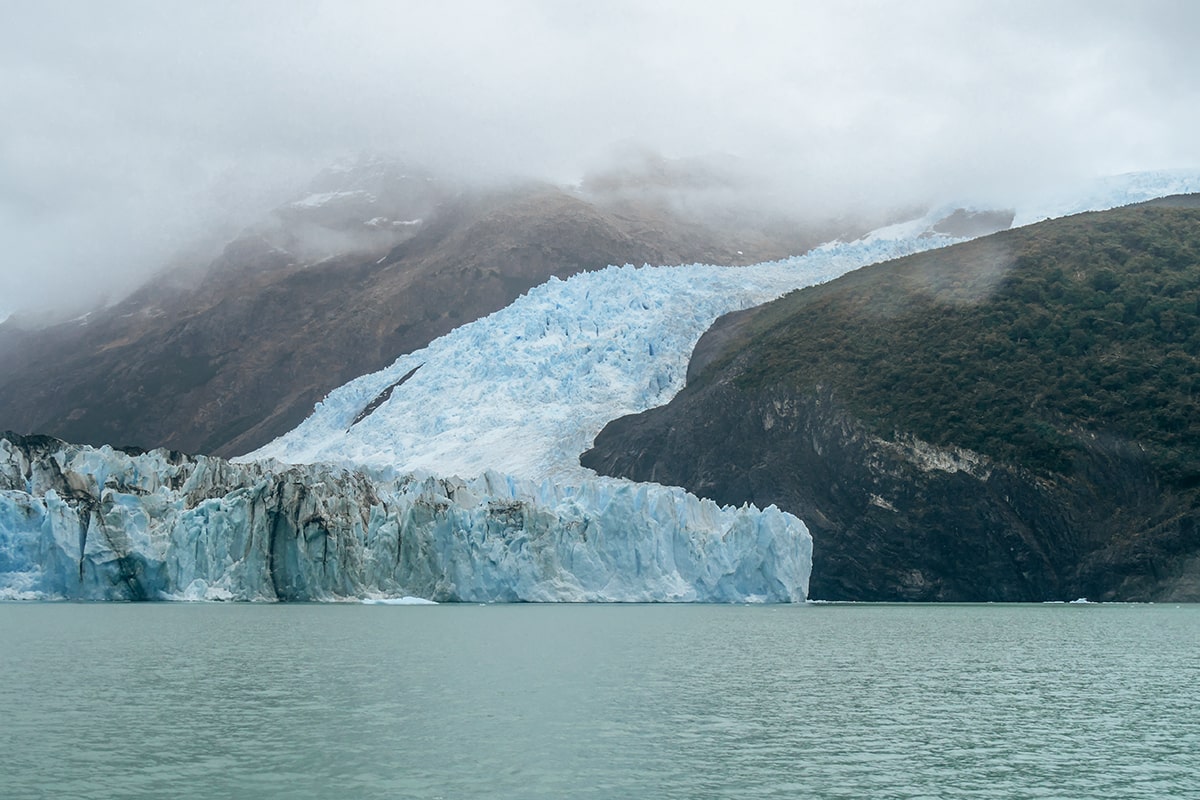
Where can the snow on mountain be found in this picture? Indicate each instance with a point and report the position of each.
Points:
(1111, 192)
(324, 198)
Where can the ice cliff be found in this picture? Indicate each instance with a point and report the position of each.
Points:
(97, 524)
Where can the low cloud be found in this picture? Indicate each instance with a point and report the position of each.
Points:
(132, 128)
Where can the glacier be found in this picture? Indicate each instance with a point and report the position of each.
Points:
(1109, 192)
(453, 474)
(525, 390)
(83, 523)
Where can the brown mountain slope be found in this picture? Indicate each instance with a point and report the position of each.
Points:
(241, 357)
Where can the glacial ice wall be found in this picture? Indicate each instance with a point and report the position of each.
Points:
(96, 524)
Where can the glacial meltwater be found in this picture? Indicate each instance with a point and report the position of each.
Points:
(599, 701)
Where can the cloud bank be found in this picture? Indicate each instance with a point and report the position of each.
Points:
(132, 127)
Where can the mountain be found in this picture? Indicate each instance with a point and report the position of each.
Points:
(374, 260)
(522, 390)
(1013, 418)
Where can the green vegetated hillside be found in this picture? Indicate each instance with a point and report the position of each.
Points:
(1014, 418)
(1013, 345)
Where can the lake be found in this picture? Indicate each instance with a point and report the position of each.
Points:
(599, 701)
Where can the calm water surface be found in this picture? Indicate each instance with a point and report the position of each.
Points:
(819, 701)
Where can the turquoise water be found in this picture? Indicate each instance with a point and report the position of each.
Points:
(819, 701)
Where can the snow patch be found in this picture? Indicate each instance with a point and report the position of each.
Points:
(382, 222)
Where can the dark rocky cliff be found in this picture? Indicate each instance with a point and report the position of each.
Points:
(1041, 470)
(900, 519)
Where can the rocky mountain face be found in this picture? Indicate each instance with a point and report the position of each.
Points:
(373, 262)
(1009, 419)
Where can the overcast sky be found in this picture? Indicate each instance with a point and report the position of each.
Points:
(126, 127)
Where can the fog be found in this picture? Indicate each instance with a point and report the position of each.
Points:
(131, 129)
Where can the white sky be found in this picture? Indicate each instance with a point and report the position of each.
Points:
(127, 127)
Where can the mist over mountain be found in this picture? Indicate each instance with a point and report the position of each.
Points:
(373, 259)
(134, 131)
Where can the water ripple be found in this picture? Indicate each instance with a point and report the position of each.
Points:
(242, 701)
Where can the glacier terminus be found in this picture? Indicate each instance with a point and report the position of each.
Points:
(83, 523)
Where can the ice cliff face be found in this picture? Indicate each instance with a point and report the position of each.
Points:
(96, 524)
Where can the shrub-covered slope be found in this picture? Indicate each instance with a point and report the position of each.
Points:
(1011, 418)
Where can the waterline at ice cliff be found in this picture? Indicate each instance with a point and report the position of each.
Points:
(97, 524)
